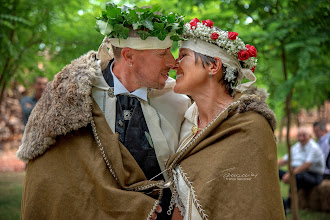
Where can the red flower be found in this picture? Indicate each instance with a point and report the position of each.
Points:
(232, 35)
(193, 23)
(253, 69)
(208, 23)
(243, 55)
(214, 36)
(252, 50)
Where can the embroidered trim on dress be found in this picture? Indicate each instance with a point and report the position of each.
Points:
(155, 205)
(196, 201)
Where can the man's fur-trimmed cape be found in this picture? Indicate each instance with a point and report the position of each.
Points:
(67, 176)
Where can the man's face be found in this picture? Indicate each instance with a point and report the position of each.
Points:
(318, 132)
(303, 137)
(40, 85)
(152, 67)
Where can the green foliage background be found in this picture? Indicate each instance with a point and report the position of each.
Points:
(291, 36)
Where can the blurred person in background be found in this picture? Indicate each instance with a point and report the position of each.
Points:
(28, 102)
(307, 163)
(321, 132)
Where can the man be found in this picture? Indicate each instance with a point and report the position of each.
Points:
(307, 163)
(29, 102)
(97, 143)
(320, 131)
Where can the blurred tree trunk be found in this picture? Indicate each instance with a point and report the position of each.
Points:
(282, 123)
(293, 186)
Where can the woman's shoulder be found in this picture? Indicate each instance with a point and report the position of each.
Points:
(254, 102)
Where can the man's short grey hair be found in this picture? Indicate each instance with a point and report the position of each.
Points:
(117, 50)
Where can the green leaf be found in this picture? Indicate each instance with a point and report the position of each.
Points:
(171, 17)
(155, 8)
(6, 23)
(136, 25)
(132, 16)
(113, 13)
(143, 34)
(142, 9)
(162, 34)
(158, 26)
(9, 17)
(148, 24)
(110, 6)
(104, 27)
(122, 31)
(176, 37)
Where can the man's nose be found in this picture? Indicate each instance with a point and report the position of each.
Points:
(176, 66)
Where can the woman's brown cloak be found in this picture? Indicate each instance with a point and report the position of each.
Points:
(231, 166)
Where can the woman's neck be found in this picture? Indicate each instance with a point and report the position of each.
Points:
(211, 102)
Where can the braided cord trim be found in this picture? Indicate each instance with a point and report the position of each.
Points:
(110, 167)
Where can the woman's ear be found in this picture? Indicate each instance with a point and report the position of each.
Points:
(214, 68)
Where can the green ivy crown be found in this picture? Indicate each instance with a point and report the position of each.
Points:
(116, 22)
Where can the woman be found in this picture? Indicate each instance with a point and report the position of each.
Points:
(226, 164)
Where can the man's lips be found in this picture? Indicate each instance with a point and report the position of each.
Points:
(165, 74)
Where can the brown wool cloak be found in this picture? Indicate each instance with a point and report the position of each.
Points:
(67, 176)
(231, 166)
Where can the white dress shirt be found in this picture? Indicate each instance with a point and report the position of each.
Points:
(309, 153)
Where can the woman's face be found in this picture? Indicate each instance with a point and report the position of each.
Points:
(191, 76)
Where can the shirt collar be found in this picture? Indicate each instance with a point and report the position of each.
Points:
(192, 114)
(119, 88)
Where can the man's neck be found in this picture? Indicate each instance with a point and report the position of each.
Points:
(125, 75)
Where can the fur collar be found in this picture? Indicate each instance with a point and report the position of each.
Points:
(254, 99)
(64, 106)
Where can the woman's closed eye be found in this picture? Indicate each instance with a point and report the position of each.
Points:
(181, 57)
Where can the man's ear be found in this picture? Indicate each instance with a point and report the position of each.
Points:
(214, 68)
(128, 55)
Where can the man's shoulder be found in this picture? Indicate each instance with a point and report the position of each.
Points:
(26, 98)
(313, 146)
